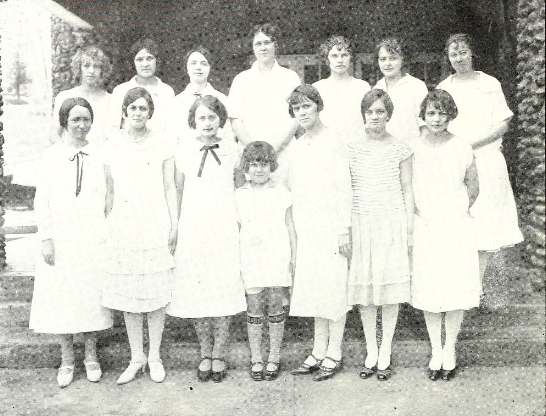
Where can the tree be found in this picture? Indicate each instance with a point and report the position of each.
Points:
(18, 75)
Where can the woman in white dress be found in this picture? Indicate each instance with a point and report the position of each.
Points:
(406, 92)
(67, 298)
(483, 119)
(320, 182)
(91, 67)
(342, 93)
(141, 231)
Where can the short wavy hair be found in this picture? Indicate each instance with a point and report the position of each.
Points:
(267, 29)
(134, 94)
(95, 54)
(392, 46)
(371, 97)
(202, 50)
(441, 100)
(261, 152)
(147, 44)
(213, 104)
(337, 41)
(459, 38)
(68, 105)
(303, 93)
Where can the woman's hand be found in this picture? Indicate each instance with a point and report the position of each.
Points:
(173, 239)
(48, 252)
(345, 245)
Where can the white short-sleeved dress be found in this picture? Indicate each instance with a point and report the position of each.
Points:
(265, 243)
(208, 274)
(67, 297)
(482, 105)
(342, 106)
(320, 183)
(406, 95)
(445, 256)
(379, 272)
(137, 261)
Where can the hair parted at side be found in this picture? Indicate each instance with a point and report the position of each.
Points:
(442, 100)
(303, 93)
(68, 105)
(339, 42)
(213, 104)
(261, 152)
(94, 54)
(147, 44)
(393, 46)
(268, 29)
(371, 97)
(458, 39)
(134, 94)
(202, 50)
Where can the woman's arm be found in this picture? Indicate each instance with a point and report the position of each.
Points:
(472, 183)
(109, 191)
(293, 239)
(43, 214)
(286, 137)
(494, 133)
(407, 191)
(240, 131)
(172, 200)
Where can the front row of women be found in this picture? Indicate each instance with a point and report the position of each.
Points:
(372, 206)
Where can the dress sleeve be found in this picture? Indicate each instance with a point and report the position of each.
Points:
(41, 202)
(344, 190)
(59, 99)
(285, 197)
(113, 121)
(404, 151)
(237, 98)
(421, 92)
(500, 110)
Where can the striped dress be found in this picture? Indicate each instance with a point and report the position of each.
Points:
(379, 272)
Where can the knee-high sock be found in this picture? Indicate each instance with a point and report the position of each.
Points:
(204, 330)
(90, 346)
(434, 328)
(336, 330)
(453, 321)
(389, 317)
(67, 349)
(255, 328)
(133, 323)
(156, 323)
(368, 314)
(276, 332)
(320, 343)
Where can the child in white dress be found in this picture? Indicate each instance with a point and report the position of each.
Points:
(208, 284)
(446, 276)
(67, 298)
(382, 229)
(268, 252)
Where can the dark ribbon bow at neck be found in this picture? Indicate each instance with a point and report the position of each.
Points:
(197, 95)
(207, 148)
(78, 157)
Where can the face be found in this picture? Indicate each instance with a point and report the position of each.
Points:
(339, 60)
(306, 113)
(264, 48)
(437, 120)
(460, 57)
(207, 122)
(259, 172)
(91, 71)
(145, 64)
(138, 113)
(79, 122)
(198, 67)
(390, 64)
(376, 116)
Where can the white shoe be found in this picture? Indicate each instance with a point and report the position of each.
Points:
(65, 375)
(93, 371)
(157, 372)
(134, 368)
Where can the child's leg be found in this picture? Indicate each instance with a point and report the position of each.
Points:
(434, 328)
(221, 336)
(90, 347)
(320, 343)
(454, 319)
(156, 323)
(368, 314)
(255, 317)
(389, 316)
(276, 319)
(484, 259)
(336, 330)
(67, 349)
(133, 323)
(204, 329)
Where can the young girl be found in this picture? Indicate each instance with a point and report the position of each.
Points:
(208, 285)
(268, 252)
(320, 182)
(382, 226)
(66, 297)
(140, 230)
(445, 258)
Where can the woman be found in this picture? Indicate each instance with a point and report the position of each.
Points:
(342, 93)
(405, 91)
(483, 119)
(66, 298)
(145, 52)
(141, 230)
(198, 66)
(258, 96)
(91, 68)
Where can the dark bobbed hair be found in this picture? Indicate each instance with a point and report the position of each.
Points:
(202, 50)
(134, 94)
(459, 38)
(441, 100)
(147, 44)
(392, 46)
(97, 55)
(371, 97)
(267, 29)
(213, 104)
(68, 105)
(261, 152)
(303, 93)
(338, 41)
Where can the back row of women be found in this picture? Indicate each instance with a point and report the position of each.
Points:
(382, 206)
